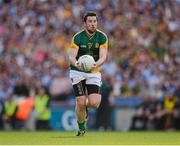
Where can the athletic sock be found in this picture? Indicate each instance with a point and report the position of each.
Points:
(81, 126)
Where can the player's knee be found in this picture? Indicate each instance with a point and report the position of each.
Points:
(94, 104)
(94, 100)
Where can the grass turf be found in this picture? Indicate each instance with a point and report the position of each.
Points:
(91, 138)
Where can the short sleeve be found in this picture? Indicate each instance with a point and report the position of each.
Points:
(75, 42)
(103, 41)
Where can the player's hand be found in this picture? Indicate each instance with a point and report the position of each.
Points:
(78, 65)
(95, 65)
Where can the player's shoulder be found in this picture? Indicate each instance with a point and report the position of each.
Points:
(79, 33)
(103, 34)
(77, 37)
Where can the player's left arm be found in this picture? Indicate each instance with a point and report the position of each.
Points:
(103, 49)
(102, 57)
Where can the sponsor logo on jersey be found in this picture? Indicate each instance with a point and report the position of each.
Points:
(83, 46)
(90, 45)
(97, 45)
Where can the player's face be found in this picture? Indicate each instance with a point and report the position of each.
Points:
(91, 24)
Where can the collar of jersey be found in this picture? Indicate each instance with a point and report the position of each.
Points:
(90, 35)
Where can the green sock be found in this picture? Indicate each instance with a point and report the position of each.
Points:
(81, 126)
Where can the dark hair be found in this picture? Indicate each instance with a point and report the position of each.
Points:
(89, 14)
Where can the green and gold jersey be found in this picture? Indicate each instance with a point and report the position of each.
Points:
(89, 45)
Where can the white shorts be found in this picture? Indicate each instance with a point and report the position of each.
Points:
(91, 78)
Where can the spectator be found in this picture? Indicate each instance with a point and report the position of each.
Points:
(60, 88)
(176, 122)
(9, 116)
(104, 112)
(42, 110)
(170, 102)
(1, 114)
(141, 116)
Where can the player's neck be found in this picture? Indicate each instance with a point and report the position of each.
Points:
(90, 33)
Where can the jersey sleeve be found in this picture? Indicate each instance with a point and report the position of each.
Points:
(104, 41)
(75, 42)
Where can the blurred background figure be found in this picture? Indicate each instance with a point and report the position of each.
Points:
(170, 103)
(60, 88)
(104, 112)
(142, 65)
(9, 116)
(24, 113)
(1, 114)
(177, 116)
(140, 118)
(43, 113)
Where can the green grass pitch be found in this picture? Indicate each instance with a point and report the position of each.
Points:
(91, 138)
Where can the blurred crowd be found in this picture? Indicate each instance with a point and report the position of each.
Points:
(144, 46)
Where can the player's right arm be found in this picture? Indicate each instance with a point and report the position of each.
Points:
(72, 56)
(72, 52)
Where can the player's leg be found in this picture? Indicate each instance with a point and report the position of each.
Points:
(93, 84)
(80, 110)
(80, 107)
(94, 96)
(78, 83)
(80, 101)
